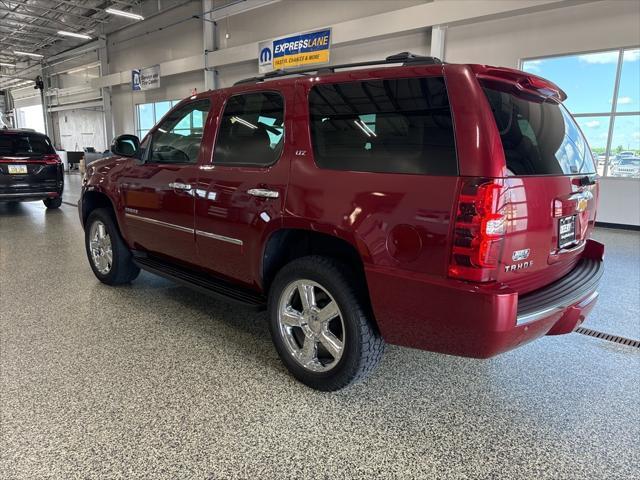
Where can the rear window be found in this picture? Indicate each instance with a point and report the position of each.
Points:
(539, 136)
(389, 126)
(24, 145)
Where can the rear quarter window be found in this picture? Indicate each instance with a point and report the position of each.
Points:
(387, 126)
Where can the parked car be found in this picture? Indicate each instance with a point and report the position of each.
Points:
(627, 167)
(441, 207)
(30, 169)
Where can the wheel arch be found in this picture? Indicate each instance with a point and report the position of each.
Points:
(93, 199)
(287, 244)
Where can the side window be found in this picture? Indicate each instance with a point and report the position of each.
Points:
(177, 139)
(388, 126)
(251, 130)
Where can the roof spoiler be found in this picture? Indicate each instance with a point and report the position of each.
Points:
(522, 80)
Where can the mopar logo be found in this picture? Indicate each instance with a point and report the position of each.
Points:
(265, 55)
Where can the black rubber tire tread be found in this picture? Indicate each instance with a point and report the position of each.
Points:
(52, 202)
(361, 357)
(123, 269)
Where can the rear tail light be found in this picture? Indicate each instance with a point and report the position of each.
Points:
(479, 228)
(51, 159)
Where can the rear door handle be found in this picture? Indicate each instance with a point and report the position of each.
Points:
(180, 186)
(263, 193)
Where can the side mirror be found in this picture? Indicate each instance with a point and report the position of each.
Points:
(126, 146)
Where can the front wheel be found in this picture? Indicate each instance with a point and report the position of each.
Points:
(321, 325)
(109, 257)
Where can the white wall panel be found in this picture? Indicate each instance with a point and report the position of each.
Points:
(76, 129)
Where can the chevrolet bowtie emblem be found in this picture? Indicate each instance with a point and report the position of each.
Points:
(582, 204)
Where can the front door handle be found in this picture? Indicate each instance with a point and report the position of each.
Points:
(263, 193)
(180, 186)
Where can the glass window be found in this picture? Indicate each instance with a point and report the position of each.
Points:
(580, 76)
(629, 90)
(148, 114)
(625, 147)
(538, 137)
(596, 131)
(590, 83)
(161, 110)
(388, 126)
(27, 145)
(251, 130)
(177, 140)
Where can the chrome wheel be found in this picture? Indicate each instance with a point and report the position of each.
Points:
(311, 325)
(100, 247)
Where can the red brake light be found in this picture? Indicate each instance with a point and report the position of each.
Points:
(51, 159)
(479, 228)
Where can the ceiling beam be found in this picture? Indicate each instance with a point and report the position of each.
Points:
(97, 8)
(31, 25)
(54, 10)
(38, 17)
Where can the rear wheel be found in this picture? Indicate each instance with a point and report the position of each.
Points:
(321, 325)
(109, 257)
(52, 202)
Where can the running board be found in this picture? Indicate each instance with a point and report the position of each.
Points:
(202, 283)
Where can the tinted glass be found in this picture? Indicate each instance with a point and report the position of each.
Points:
(20, 145)
(251, 131)
(539, 137)
(177, 139)
(392, 126)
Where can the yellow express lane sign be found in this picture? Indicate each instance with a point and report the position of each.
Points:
(301, 50)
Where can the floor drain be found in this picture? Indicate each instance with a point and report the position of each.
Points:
(609, 337)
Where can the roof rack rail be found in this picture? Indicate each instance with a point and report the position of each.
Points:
(405, 58)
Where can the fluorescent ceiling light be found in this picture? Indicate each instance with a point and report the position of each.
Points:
(81, 69)
(73, 34)
(35, 55)
(122, 13)
(7, 64)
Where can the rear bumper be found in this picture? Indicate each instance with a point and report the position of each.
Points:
(27, 196)
(479, 321)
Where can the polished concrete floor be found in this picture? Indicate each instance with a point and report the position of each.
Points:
(155, 381)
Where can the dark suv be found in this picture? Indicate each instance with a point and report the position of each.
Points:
(437, 206)
(30, 169)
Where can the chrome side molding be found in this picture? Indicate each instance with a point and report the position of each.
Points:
(263, 193)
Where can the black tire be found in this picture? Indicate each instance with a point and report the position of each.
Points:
(122, 270)
(363, 346)
(51, 203)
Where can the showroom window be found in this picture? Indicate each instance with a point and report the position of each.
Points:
(603, 96)
(148, 114)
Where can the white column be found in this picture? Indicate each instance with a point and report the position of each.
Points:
(106, 97)
(209, 37)
(438, 41)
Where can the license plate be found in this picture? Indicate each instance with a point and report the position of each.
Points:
(566, 231)
(17, 169)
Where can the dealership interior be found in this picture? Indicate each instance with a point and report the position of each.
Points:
(107, 374)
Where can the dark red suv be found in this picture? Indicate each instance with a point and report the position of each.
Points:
(436, 206)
